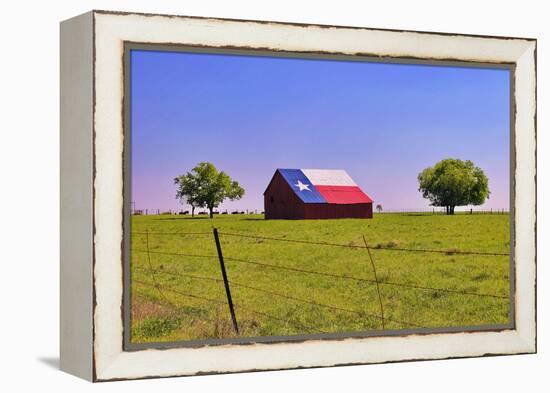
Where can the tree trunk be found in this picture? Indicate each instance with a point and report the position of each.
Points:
(211, 211)
(450, 210)
(192, 211)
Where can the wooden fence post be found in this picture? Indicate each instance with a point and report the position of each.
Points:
(377, 285)
(226, 281)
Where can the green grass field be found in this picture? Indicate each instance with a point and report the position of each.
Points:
(168, 302)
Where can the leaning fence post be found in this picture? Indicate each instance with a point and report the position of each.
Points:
(377, 285)
(226, 281)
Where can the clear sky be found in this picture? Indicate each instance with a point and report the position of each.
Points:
(382, 123)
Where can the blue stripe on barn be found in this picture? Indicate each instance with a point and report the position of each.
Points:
(301, 186)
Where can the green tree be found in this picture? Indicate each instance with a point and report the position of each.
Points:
(188, 191)
(379, 208)
(453, 182)
(207, 187)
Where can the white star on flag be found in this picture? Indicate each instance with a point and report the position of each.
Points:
(302, 186)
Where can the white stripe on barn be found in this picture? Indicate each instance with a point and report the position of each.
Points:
(329, 177)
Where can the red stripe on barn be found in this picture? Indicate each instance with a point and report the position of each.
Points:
(343, 194)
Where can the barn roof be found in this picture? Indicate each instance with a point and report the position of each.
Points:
(332, 186)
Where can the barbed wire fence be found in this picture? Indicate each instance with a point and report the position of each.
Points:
(234, 307)
(201, 212)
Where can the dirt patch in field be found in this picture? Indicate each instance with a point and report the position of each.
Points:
(143, 309)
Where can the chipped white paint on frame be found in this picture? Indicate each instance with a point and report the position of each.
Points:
(111, 30)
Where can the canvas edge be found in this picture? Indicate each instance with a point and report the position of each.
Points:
(304, 24)
(525, 216)
(76, 204)
(526, 331)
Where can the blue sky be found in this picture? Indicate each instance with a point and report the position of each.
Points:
(383, 123)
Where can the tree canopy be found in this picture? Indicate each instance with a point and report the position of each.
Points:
(204, 186)
(453, 182)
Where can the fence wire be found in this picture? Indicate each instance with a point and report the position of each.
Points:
(333, 275)
(377, 247)
(295, 324)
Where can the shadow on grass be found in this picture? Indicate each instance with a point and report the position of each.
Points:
(421, 215)
(207, 218)
(182, 218)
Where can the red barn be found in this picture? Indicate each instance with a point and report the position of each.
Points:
(315, 194)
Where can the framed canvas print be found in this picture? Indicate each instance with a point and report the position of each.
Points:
(245, 195)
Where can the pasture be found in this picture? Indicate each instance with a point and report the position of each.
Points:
(177, 291)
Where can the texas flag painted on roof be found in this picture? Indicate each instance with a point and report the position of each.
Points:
(324, 186)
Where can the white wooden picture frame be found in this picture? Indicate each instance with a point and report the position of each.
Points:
(92, 193)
